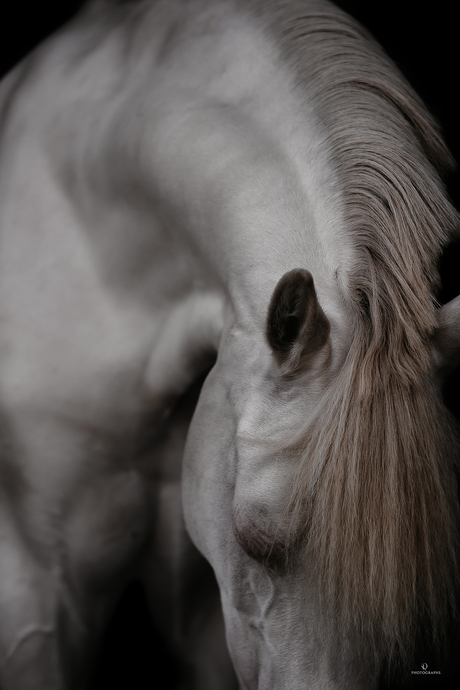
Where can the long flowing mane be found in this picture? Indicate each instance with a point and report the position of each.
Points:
(375, 482)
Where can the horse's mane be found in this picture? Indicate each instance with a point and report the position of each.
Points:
(375, 482)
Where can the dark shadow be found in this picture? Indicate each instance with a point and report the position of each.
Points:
(428, 670)
(449, 268)
(24, 24)
(133, 656)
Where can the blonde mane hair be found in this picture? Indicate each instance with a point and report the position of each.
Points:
(375, 486)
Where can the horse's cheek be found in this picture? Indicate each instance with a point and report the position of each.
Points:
(209, 466)
(259, 508)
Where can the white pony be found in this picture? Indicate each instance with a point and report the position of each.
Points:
(181, 179)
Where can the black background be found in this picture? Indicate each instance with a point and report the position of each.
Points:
(422, 39)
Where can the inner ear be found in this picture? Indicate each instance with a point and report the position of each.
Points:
(297, 327)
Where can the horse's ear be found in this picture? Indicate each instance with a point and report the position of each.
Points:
(297, 327)
(447, 337)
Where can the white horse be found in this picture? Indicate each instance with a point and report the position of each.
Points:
(182, 179)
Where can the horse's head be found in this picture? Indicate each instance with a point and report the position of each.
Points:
(298, 359)
(319, 483)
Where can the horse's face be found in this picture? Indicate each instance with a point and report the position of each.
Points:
(238, 480)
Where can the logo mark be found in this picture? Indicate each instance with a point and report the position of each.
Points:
(425, 672)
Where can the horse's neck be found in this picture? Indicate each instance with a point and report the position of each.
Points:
(233, 190)
(189, 156)
(239, 175)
